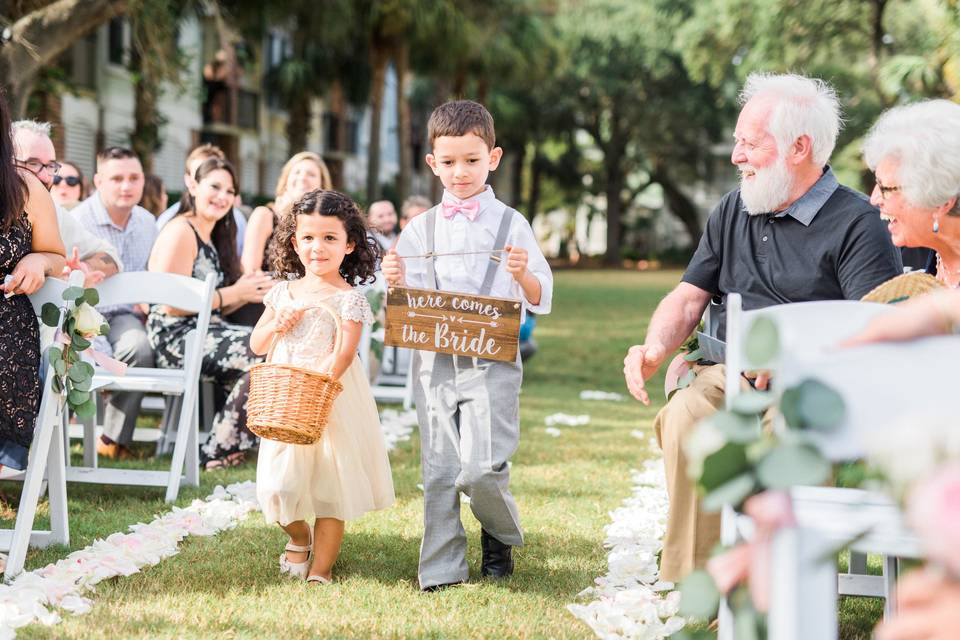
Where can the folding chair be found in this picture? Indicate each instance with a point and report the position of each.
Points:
(885, 387)
(46, 458)
(181, 292)
(385, 387)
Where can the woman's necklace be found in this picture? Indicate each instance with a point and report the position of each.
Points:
(942, 272)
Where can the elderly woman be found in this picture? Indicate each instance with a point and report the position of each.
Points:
(912, 150)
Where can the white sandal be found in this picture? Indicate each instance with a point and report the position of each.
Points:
(295, 569)
(318, 579)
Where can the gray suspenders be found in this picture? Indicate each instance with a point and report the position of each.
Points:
(498, 244)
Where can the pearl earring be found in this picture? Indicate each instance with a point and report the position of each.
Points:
(936, 225)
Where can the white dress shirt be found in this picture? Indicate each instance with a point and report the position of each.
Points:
(74, 234)
(465, 273)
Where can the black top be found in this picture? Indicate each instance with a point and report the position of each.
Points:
(829, 245)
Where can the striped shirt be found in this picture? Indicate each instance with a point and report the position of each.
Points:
(134, 241)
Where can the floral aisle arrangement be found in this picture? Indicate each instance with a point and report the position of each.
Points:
(82, 323)
(748, 457)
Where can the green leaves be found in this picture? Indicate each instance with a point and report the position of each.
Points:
(752, 402)
(699, 596)
(732, 492)
(723, 466)
(790, 465)
(91, 297)
(50, 314)
(73, 294)
(812, 405)
(763, 342)
(737, 427)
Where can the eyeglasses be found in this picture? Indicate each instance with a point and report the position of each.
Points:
(885, 191)
(34, 165)
(71, 181)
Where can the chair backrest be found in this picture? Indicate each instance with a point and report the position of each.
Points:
(803, 327)
(52, 291)
(148, 287)
(885, 387)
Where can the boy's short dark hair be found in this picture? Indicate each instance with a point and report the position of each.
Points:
(115, 153)
(460, 117)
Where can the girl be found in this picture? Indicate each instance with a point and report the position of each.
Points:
(322, 239)
(198, 241)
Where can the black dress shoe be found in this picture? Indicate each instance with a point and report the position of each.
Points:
(497, 557)
(440, 587)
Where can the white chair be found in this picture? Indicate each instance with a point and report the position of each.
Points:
(387, 388)
(46, 458)
(181, 292)
(885, 387)
(806, 329)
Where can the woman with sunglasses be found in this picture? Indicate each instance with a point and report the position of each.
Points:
(69, 187)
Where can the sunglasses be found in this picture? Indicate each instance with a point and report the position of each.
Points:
(71, 181)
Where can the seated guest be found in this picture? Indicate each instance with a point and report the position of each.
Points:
(69, 188)
(912, 150)
(30, 250)
(933, 314)
(303, 172)
(411, 208)
(112, 213)
(197, 156)
(85, 250)
(382, 222)
(154, 195)
(197, 242)
(789, 233)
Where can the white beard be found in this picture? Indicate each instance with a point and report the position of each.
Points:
(768, 189)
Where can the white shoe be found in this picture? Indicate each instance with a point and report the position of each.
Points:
(318, 579)
(295, 569)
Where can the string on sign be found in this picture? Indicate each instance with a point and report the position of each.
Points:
(434, 254)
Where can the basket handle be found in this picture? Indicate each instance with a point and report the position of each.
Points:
(338, 340)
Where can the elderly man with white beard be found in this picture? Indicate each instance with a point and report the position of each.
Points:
(789, 233)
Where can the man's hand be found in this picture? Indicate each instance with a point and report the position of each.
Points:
(761, 379)
(91, 277)
(516, 262)
(27, 276)
(642, 361)
(392, 267)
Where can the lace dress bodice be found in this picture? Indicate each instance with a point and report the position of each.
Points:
(311, 341)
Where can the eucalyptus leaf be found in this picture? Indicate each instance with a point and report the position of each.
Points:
(54, 354)
(91, 297)
(723, 465)
(699, 597)
(76, 373)
(733, 492)
(59, 367)
(56, 384)
(789, 407)
(80, 343)
(77, 397)
(745, 624)
(819, 406)
(737, 427)
(694, 355)
(82, 385)
(86, 410)
(684, 381)
(49, 314)
(104, 329)
(73, 293)
(789, 465)
(752, 402)
(763, 342)
(86, 368)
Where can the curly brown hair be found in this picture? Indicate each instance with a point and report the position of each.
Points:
(358, 267)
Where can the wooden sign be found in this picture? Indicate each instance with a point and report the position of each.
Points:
(455, 323)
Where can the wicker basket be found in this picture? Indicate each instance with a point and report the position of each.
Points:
(904, 287)
(292, 404)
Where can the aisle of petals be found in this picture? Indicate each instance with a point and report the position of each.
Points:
(40, 596)
(629, 602)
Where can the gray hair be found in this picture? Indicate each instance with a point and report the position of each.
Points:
(33, 126)
(805, 106)
(924, 138)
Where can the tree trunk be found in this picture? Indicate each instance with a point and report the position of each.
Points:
(404, 132)
(39, 37)
(338, 146)
(298, 125)
(483, 89)
(379, 61)
(516, 178)
(680, 205)
(536, 180)
(145, 137)
(614, 188)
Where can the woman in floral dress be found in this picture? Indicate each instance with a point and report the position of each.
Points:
(201, 240)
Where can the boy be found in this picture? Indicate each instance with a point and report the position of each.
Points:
(468, 408)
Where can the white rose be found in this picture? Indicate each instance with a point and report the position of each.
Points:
(89, 321)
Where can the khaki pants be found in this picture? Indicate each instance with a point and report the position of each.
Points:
(691, 533)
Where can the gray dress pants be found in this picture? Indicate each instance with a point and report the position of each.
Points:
(128, 337)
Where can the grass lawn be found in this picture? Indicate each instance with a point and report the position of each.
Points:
(228, 586)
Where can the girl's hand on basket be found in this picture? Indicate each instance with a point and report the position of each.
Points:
(286, 319)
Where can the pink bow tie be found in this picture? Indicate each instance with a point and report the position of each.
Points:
(470, 209)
